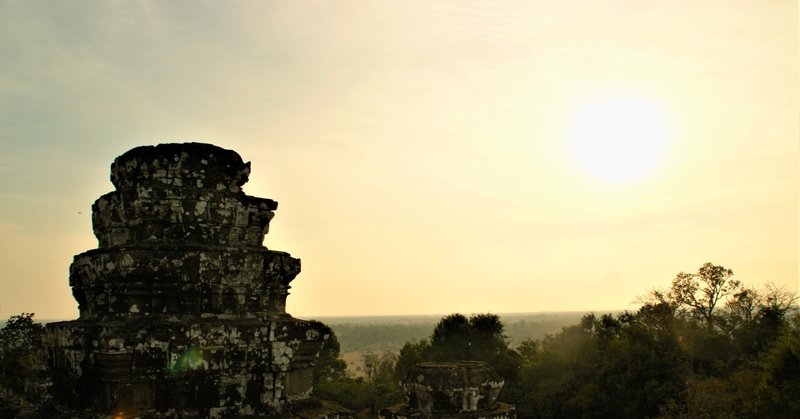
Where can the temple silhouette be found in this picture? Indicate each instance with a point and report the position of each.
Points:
(183, 309)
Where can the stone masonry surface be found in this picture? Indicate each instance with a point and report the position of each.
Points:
(182, 308)
(456, 389)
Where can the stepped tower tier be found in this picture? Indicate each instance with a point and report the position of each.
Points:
(182, 308)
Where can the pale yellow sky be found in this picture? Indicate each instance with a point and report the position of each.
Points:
(420, 151)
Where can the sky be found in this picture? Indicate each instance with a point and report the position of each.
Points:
(428, 157)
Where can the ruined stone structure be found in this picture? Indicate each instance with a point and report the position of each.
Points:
(460, 389)
(182, 309)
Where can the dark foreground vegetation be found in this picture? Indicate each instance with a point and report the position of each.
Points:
(24, 377)
(706, 346)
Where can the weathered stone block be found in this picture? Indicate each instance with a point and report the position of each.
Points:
(182, 309)
(458, 389)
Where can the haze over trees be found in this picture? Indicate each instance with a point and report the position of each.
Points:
(705, 346)
(388, 333)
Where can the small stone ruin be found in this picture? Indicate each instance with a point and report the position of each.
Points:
(457, 389)
(182, 308)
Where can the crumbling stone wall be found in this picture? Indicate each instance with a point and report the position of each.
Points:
(457, 389)
(182, 308)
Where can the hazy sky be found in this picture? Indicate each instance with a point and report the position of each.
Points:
(428, 157)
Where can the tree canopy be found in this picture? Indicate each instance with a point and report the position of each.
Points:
(457, 337)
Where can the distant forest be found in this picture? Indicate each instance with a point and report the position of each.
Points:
(390, 333)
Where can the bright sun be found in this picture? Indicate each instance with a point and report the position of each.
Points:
(618, 139)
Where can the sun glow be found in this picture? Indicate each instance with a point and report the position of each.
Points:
(618, 139)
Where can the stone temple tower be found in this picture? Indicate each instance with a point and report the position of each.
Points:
(182, 309)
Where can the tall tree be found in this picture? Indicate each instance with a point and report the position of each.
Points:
(698, 294)
(23, 366)
(456, 337)
(329, 365)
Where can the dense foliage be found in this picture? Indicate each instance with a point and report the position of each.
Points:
(21, 351)
(378, 389)
(456, 337)
(707, 346)
(23, 366)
